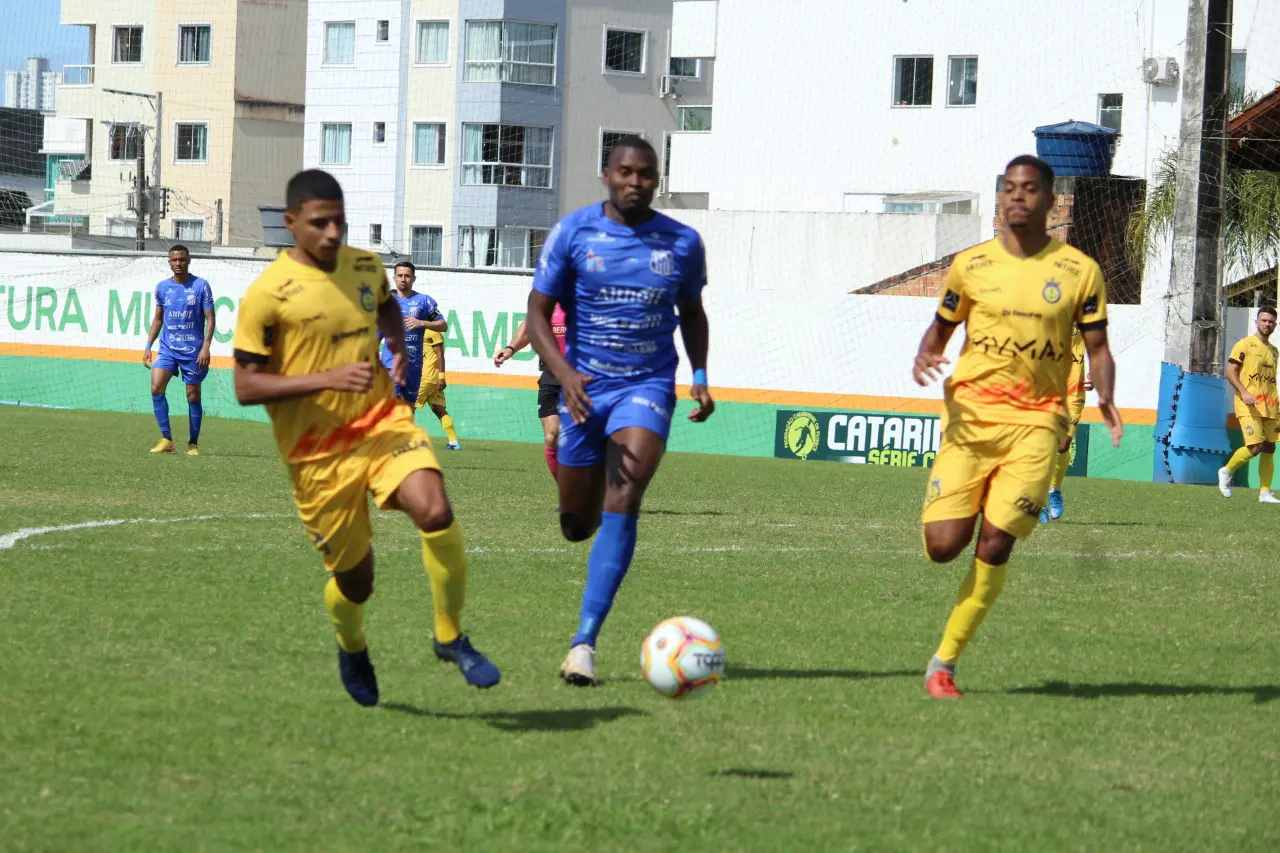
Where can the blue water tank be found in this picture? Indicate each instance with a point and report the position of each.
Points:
(1076, 148)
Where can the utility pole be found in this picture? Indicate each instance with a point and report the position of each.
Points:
(140, 198)
(1194, 314)
(217, 219)
(156, 161)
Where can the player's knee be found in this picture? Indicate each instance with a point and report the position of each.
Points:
(356, 585)
(575, 528)
(193, 393)
(941, 550)
(995, 547)
(1268, 447)
(432, 517)
(550, 438)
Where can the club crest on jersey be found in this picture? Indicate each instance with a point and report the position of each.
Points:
(934, 491)
(191, 299)
(1052, 292)
(595, 263)
(366, 297)
(662, 262)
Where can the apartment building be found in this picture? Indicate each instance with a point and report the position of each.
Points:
(208, 94)
(463, 129)
(32, 88)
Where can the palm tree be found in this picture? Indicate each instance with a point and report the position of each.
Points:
(1251, 231)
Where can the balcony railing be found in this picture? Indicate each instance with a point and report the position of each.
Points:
(77, 75)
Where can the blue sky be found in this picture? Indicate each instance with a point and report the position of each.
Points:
(31, 28)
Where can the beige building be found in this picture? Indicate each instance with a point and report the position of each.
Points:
(215, 87)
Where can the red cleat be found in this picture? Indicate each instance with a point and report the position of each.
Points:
(941, 685)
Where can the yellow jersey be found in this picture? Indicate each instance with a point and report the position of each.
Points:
(1018, 315)
(1257, 361)
(1075, 381)
(300, 320)
(430, 362)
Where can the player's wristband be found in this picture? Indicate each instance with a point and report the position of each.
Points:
(700, 377)
(149, 345)
(509, 347)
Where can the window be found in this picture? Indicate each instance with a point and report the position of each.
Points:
(510, 248)
(194, 43)
(696, 119)
(507, 52)
(375, 234)
(506, 155)
(379, 132)
(680, 67)
(188, 230)
(427, 246)
(121, 227)
(608, 139)
(913, 81)
(962, 81)
(428, 144)
(1110, 108)
(126, 44)
(340, 43)
(335, 144)
(1235, 73)
(433, 43)
(624, 51)
(124, 142)
(384, 31)
(191, 142)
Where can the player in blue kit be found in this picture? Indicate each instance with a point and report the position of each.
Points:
(421, 315)
(626, 277)
(184, 323)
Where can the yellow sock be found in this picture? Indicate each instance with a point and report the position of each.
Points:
(1239, 459)
(978, 593)
(1060, 471)
(445, 559)
(347, 616)
(1266, 468)
(446, 422)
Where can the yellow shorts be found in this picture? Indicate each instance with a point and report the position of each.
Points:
(429, 393)
(330, 493)
(1256, 430)
(1001, 470)
(1075, 409)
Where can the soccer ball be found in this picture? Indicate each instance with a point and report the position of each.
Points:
(682, 657)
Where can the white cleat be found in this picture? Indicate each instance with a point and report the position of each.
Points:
(579, 667)
(1224, 482)
(1266, 496)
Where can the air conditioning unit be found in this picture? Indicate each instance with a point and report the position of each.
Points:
(667, 86)
(1160, 71)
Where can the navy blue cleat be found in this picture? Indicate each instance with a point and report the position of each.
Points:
(477, 669)
(357, 676)
(1055, 504)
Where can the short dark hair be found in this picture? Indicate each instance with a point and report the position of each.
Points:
(178, 247)
(1268, 309)
(1045, 170)
(310, 185)
(408, 264)
(638, 143)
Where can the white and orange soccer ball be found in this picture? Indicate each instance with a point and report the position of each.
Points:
(682, 657)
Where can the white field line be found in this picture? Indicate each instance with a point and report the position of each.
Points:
(8, 540)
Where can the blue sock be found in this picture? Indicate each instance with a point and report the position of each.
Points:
(195, 413)
(606, 567)
(160, 404)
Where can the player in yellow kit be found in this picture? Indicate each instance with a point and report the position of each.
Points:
(1251, 370)
(431, 390)
(1006, 401)
(306, 347)
(1077, 384)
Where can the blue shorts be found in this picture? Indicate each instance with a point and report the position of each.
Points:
(412, 380)
(646, 403)
(180, 365)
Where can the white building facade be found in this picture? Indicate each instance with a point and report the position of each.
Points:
(463, 129)
(34, 87)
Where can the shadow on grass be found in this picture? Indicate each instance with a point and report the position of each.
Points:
(679, 512)
(739, 673)
(1260, 693)
(749, 773)
(557, 720)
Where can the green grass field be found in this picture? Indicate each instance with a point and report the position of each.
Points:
(173, 686)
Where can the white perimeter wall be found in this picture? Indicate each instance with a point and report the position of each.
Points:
(761, 339)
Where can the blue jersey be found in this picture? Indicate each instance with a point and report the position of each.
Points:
(420, 307)
(182, 324)
(619, 287)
